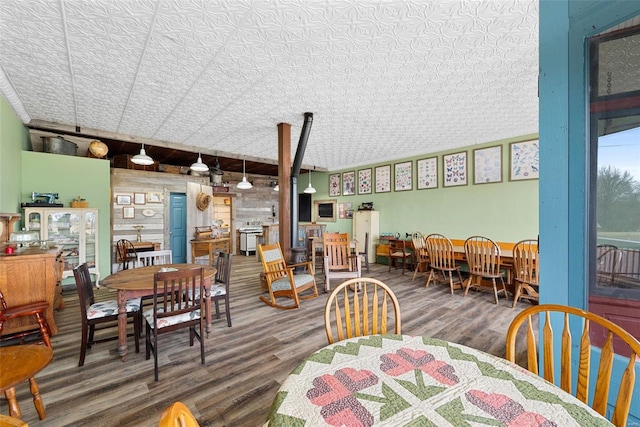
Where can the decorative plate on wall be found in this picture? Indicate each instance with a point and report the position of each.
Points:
(148, 212)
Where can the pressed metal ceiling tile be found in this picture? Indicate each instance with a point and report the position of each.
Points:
(383, 79)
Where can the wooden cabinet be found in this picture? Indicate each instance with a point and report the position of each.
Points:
(366, 222)
(74, 230)
(27, 276)
(208, 248)
(270, 234)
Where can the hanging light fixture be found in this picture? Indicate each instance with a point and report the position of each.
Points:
(142, 158)
(244, 184)
(199, 166)
(309, 189)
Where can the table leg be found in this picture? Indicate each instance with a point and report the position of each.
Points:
(37, 399)
(14, 409)
(122, 324)
(207, 304)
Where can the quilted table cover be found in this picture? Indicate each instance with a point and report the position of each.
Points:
(399, 380)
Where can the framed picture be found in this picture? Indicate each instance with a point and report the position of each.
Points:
(487, 165)
(383, 179)
(454, 169)
(403, 176)
(524, 160)
(350, 214)
(348, 183)
(154, 197)
(128, 212)
(139, 198)
(427, 173)
(123, 199)
(334, 184)
(364, 181)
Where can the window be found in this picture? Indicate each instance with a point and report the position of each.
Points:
(615, 165)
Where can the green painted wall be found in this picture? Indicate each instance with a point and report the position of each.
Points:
(14, 138)
(506, 211)
(70, 177)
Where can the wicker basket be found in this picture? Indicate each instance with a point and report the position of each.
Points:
(79, 203)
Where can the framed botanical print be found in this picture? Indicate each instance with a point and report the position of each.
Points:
(348, 183)
(139, 198)
(403, 176)
(524, 160)
(454, 169)
(334, 184)
(427, 173)
(128, 212)
(123, 199)
(364, 181)
(383, 179)
(487, 165)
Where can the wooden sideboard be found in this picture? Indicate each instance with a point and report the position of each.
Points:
(202, 247)
(27, 276)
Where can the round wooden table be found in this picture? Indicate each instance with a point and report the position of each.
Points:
(138, 282)
(19, 363)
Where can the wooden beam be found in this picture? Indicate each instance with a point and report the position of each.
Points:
(284, 181)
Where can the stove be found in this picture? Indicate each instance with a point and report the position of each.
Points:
(248, 239)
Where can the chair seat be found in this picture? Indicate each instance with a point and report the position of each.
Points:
(299, 280)
(216, 291)
(400, 253)
(110, 308)
(171, 320)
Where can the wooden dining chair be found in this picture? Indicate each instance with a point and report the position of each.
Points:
(173, 310)
(616, 340)
(35, 310)
(147, 258)
(280, 280)
(339, 262)
(483, 258)
(420, 254)
(359, 307)
(525, 268)
(442, 260)
(103, 313)
(364, 252)
(126, 254)
(398, 252)
(177, 415)
(220, 285)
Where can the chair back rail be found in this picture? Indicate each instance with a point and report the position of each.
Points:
(604, 372)
(160, 257)
(525, 268)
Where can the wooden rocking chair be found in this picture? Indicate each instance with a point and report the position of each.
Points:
(281, 280)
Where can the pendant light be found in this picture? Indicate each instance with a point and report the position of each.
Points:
(244, 184)
(142, 158)
(309, 189)
(199, 166)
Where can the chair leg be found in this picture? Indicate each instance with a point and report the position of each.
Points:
(215, 301)
(429, 278)
(136, 330)
(44, 329)
(366, 261)
(495, 290)
(12, 401)
(451, 281)
(516, 296)
(83, 343)
(227, 310)
(37, 399)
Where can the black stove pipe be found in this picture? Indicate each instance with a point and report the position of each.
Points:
(295, 171)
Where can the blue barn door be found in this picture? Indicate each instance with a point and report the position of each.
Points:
(178, 227)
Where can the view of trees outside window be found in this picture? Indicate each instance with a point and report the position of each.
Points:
(618, 206)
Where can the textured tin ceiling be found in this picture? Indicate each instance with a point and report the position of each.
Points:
(384, 79)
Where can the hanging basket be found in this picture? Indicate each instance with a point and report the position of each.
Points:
(202, 201)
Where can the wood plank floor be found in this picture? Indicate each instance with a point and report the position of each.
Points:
(245, 364)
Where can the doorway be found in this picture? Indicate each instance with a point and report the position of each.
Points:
(178, 227)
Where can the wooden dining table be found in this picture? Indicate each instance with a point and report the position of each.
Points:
(412, 380)
(19, 363)
(139, 282)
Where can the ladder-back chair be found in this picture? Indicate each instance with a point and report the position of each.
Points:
(339, 262)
